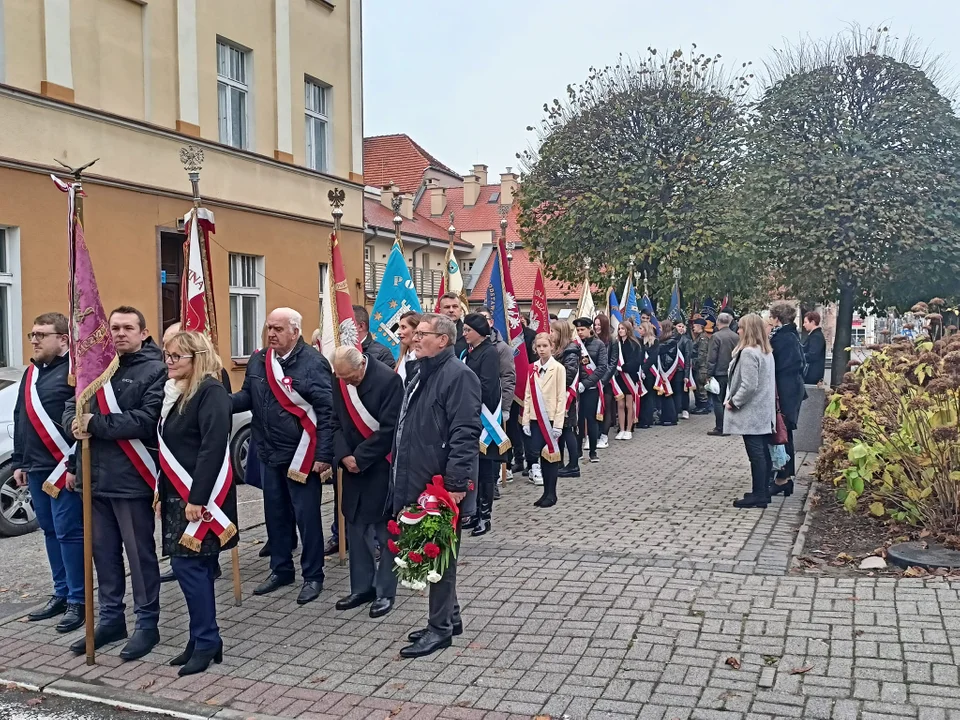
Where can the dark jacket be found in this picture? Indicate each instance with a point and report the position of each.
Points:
(598, 353)
(460, 346)
(701, 352)
(438, 432)
(631, 358)
(669, 350)
(687, 350)
(508, 372)
(484, 361)
(138, 385)
(648, 361)
(29, 452)
(570, 359)
(788, 365)
(198, 439)
(364, 498)
(722, 344)
(815, 353)
(529, 335)
(275, 431)
(378, 350)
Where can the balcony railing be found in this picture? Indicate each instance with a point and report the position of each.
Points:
(425, 282)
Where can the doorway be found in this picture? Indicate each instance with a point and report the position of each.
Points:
(171, 270)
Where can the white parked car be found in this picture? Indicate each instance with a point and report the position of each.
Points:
(16, 509)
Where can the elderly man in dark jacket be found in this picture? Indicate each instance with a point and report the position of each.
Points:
(122, 424)
(366, 403)
(722, 343)
(285, 384)
(438, 433)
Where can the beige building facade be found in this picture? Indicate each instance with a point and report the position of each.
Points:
(271, 90)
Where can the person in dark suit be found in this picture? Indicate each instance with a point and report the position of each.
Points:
(370, 346)
(788, 362)
(369, 393)
(815, 349)
(198, 500)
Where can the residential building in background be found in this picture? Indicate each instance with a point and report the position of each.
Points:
(272, 93)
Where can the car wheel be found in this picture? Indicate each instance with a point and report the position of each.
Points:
(239, 448)
(16, 508)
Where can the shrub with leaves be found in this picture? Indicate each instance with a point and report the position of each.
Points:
(891, 437)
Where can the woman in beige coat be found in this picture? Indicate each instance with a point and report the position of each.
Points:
(544, 409)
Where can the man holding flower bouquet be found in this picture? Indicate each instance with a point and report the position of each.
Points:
(438, 433)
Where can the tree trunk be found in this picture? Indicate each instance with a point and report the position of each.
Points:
(844, 333)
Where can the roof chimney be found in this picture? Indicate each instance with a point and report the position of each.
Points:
(386, 195)
(406, 206)
(438, 199)
(508, 186)
(481, 172)
(471, 190)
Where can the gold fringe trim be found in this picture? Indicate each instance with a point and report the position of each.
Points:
(50, 489)
(228, 534)
(505, 445)
(549, 456)
(483, 447)
(298, 476)
(88, 392)
(325, 475)
(191, 543)
(600, 417)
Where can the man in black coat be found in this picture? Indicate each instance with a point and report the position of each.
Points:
(291, 493)
(366, 404)
(722, 343)
(44, 392)
(449, 304)
(588, 388)
(123, 492)
(370, 346)
(438, 433)
(815, 349)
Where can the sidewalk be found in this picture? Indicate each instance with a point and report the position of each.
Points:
(643, 594)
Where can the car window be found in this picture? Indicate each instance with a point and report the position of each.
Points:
(6, 383)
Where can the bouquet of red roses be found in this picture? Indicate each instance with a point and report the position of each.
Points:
(426, 537)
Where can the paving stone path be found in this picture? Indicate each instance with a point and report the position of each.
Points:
(643, 594)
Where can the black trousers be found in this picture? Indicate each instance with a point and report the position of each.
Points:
(682, 395)
(196, 578)
(444, 608)
(487, 471)
(761, 466)
(610, 410)
(589, 425)
(286, 502)
(365, 573)
(670, 405)
(516, 454)
(126, 525)
(719, 400)
(570, 442)
(548, 469)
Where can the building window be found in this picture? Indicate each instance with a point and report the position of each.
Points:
(11, 344)
(247, 304)
(233, 95)
(316, 105)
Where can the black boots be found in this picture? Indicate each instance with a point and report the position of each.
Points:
(200, 660)
(549, 497)
(484, 508)
(786, 489)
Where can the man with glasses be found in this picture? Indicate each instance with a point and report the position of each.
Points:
(438, 433)
(41, 449)
(121, 423)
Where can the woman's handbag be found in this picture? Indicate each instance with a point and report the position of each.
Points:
(713, 387)
(780, 434)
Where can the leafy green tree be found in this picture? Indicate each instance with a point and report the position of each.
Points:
(642, 160)
(854, 173)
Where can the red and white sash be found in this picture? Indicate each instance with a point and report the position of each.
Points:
(572, 390)
(665, 377)
(551, 451)
(49, 433)
(213, 518)
(590, 367)
(363, 420)
(291, 401)
(135, 450)
(635, 389)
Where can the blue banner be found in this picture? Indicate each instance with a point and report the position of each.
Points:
(497, 301)
(647, 307)
(396, 296)
(675, 313)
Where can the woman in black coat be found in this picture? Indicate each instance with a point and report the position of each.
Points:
(198, 501)
(625, 364)
(568, 353)
(670, 372)
(649, 354)
(788, 360)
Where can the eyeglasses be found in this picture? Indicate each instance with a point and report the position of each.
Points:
(40, 336)
(174, 358)
(421, 333)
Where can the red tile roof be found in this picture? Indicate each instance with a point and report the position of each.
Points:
(481, 216)
(398, 159)
(375, 214)
(523, 272)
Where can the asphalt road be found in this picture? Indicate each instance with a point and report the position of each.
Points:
(22, 705)
(25, 574)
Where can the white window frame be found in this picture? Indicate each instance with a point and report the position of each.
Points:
(10, 237)
(258, 292)
(313, 116)
(246, 86)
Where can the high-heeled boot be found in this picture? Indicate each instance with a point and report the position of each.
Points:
(185, 656)
(785, 489)
(200, 660)
(484, 509)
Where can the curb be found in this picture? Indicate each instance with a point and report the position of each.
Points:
(798, 544)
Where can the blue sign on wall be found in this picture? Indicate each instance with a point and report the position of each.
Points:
(163, 277)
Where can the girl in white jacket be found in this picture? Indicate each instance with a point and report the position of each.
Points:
(544, 408)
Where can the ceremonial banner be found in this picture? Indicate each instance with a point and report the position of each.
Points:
(539, 312)
(647, 307)
(631, 311)
(709, 313)
(506, 316)
(586, 308)
(93, 358)
(396, 296)
(452, 279)
(198, 313)
(441, 292)
(613, 311)
(675, 313)
(338, 326)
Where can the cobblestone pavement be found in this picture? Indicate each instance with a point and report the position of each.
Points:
(643, 594)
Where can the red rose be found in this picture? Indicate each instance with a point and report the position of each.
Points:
(393, 547)
(393, 528)
(431, 550)
(415, 557)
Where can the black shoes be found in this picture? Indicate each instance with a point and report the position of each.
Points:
(426, 644)
(496, 492)
(356, 600)
(715, 433)
(482, 527)
(102, 635)
(332, 546)
(200, 660)
(265, 550)
(168, 576)
(569, 471)
(73, 618)
(380, 607)
(417, 634)
(548, 502)
(594, 458)
(55, 606)
(185, 656)
(469, 523)
(752, 501)
(786, 489)
(274, 582)
(309, 592)
(140, 644)
(701, 411)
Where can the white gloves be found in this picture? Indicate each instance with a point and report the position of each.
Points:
(580, 387)
(526, 430)
(556, 432)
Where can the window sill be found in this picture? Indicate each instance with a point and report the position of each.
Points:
(239, 362)
(326, 3)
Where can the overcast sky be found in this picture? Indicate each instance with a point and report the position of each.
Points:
(464, 79)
